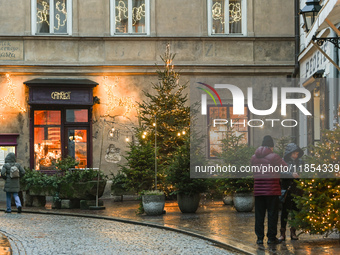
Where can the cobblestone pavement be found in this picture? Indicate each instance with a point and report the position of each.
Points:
(54, 234)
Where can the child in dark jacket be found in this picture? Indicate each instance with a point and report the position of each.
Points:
(292, 157)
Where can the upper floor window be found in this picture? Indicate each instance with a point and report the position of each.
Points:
(227, 17)
(51, 17)
(129, 17)
(216, 134)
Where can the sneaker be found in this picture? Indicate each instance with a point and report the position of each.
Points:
(7, 211)
(19, 209)
(259, 241)
(273, 241)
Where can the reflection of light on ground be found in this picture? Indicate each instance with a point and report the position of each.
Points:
(217, 221)
(4, 246)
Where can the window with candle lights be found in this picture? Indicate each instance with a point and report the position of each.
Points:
(51, 17)
(129, 17)
(227, 17)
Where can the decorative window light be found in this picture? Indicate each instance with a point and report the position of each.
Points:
(51, 17)
(227, 17)
(130, 17)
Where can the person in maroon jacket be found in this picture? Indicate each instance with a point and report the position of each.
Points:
(267, 189)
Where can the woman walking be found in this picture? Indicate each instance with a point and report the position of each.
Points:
(11, 172)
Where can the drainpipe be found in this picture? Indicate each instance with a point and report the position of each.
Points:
(295, 115)
(297, 38)
(337, 84)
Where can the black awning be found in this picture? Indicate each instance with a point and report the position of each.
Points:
(61, 82)
(61, 91)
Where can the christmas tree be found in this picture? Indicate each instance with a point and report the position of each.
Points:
(236, 153)
(320, 203)
(165, 112)
(140, 167)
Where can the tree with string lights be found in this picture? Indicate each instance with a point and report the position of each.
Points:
(165, 112)
(319, 204)
(164, 120)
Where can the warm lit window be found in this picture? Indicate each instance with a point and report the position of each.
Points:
(8, 143)
(227, 17)
(220, 132)
(47, 139)
(58, 134)
(4, 150)
(129, 17)
(51, 17)
(77, 115)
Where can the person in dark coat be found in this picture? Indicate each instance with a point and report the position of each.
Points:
(267, 190)
(12, 185)
(292, 157)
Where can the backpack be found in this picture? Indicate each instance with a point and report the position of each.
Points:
(14, 172)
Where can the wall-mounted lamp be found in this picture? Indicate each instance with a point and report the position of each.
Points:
(96, 100)
(309, 13)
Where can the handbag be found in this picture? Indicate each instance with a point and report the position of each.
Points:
(284, 193)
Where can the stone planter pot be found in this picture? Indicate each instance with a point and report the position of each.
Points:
(81, 190)
(228, 199)
(41, 192)
(244, 202)
(188, 203)
(153, 204)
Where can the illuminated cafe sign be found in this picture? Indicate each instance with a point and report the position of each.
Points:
(50, 91)
(62, 95)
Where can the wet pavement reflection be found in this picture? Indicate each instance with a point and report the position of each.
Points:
(215, 220)
(5, 247)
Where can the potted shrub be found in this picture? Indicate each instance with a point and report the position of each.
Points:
(243, 198)
(153, 202)
(228, 198)
(178, 175)
(64, 164)
(139, 170)
(237, 153)
(82, 184)
(76, 184)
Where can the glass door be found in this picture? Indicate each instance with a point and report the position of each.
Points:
(77, 146)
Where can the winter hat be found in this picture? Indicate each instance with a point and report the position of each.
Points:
(268, 141)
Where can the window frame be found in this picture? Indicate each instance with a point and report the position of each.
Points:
(243, 20)
(227, 106)
(130, 28)
(34, 19)
(9, 140)
(64, 126)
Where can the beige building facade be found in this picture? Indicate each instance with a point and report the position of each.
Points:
(58, 57)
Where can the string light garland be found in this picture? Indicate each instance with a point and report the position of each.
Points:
(63, 11)
(43, 15)
(113, 101)
(137, 12)
(234, 12)
(318, 207)
(9, 100)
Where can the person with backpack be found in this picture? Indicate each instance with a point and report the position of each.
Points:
(11, 172)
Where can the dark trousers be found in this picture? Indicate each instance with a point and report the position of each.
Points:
(271, 205)
(287, 206)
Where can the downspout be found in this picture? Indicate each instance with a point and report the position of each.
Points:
(297, 38)
(337, 89)
(295, 115)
